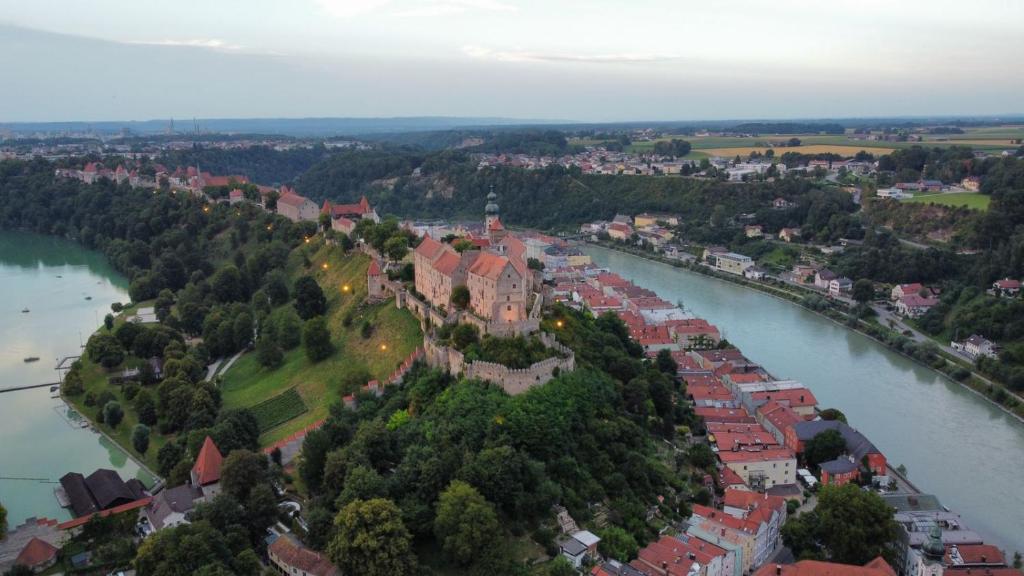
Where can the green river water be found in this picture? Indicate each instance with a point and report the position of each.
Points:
(39, 442)
(954, 444)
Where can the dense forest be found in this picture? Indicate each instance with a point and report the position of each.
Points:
(261, 164)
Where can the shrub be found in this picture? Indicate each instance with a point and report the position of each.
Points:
(112, 413)
(140, 438)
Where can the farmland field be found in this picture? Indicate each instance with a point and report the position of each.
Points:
(279, 409)
(808, 149)
(971, 200)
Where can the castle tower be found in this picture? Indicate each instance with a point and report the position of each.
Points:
(491, 210)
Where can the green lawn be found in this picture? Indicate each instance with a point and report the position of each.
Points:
(95, 379)
(279, 409)
(396, 334)
(971, 200)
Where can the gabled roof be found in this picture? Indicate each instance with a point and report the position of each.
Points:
(108, 489)
(207, 467)
(294, 554)
(877, 567)
(292, 199)
(429, 247)
(374, 269)
(36, 553)
(489, 265)
(857, 444)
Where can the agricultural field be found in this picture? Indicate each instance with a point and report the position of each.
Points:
(971, 200)
(279, 409)
(395, 335)
(803, 149)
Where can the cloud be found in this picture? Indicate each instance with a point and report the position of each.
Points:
(412, 8)
(483, 53)
(350, 8)
(426, 8)
(212, 43)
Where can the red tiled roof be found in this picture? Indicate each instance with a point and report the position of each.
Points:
(748, 454)
(779, 415)
(710, 414)
(36, 553)
(208, 463)
(489, 265)
(429, 247)
(495, 225)
(374, 269)
(81, 520)
(797, 397)
(977, 554)
(877, 567)
(292, 199)
(447, 262)
(294, 555)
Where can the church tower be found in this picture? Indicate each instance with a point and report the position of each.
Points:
(929, 563)
(494, 228)
(491, 210)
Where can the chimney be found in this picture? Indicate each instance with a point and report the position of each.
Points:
(778, 569)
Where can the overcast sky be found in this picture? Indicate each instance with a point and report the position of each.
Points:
(587, 60)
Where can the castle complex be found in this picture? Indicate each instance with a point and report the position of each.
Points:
(492, 266)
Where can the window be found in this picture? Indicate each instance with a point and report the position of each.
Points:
(509, 308)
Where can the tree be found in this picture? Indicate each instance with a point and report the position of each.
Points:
(105, 349)
(112, 413)
(108, 321)
(361, 483)
(309, 298)
(560, 566)
(465, 335)
(825, 446)
(276, 287)
(466, 524)
(185, 550)
(832, 414)
(396, 247)
(460, 297)
(140, 438)
(145, 407)
(666, 363)
(617, 543)
(268, 353)
(371, 539)
(242, 471)
(700, 455)
(317, 339)
(863, 290)
(849, 526)
(3, 522)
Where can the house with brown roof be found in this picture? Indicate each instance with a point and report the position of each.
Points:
(498, 287)
(205, 474)
(37, 555)
(295, 207)
(289, 556)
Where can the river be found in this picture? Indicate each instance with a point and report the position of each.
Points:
(953, 443)
(52, 279)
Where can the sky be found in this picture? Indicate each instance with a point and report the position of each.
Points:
(582, 60)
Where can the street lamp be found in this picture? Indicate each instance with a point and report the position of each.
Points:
(325, 266)
(383, 347)
(346, 288)
(559, 323)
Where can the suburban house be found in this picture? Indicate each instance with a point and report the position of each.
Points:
(579, 547)
(644, 220)
(618, 231)
(1006, 287)
(295, 207)
(753, 231)
(901, 290)
(726, 532)
(684, 555)
(38, 555)
(976, 346)
(971, 183)
(789, 234)
(205, 474)
(755, 273)
(824, 277)
(171, 507)
(839, 286)
(291, 557)
(915, 305)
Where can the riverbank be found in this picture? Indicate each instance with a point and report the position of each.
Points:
(893, 340)
(939, 432)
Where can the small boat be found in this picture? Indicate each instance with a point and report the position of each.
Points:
(32, 359)
(59, 276)
(88, 297)
(24, 310)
